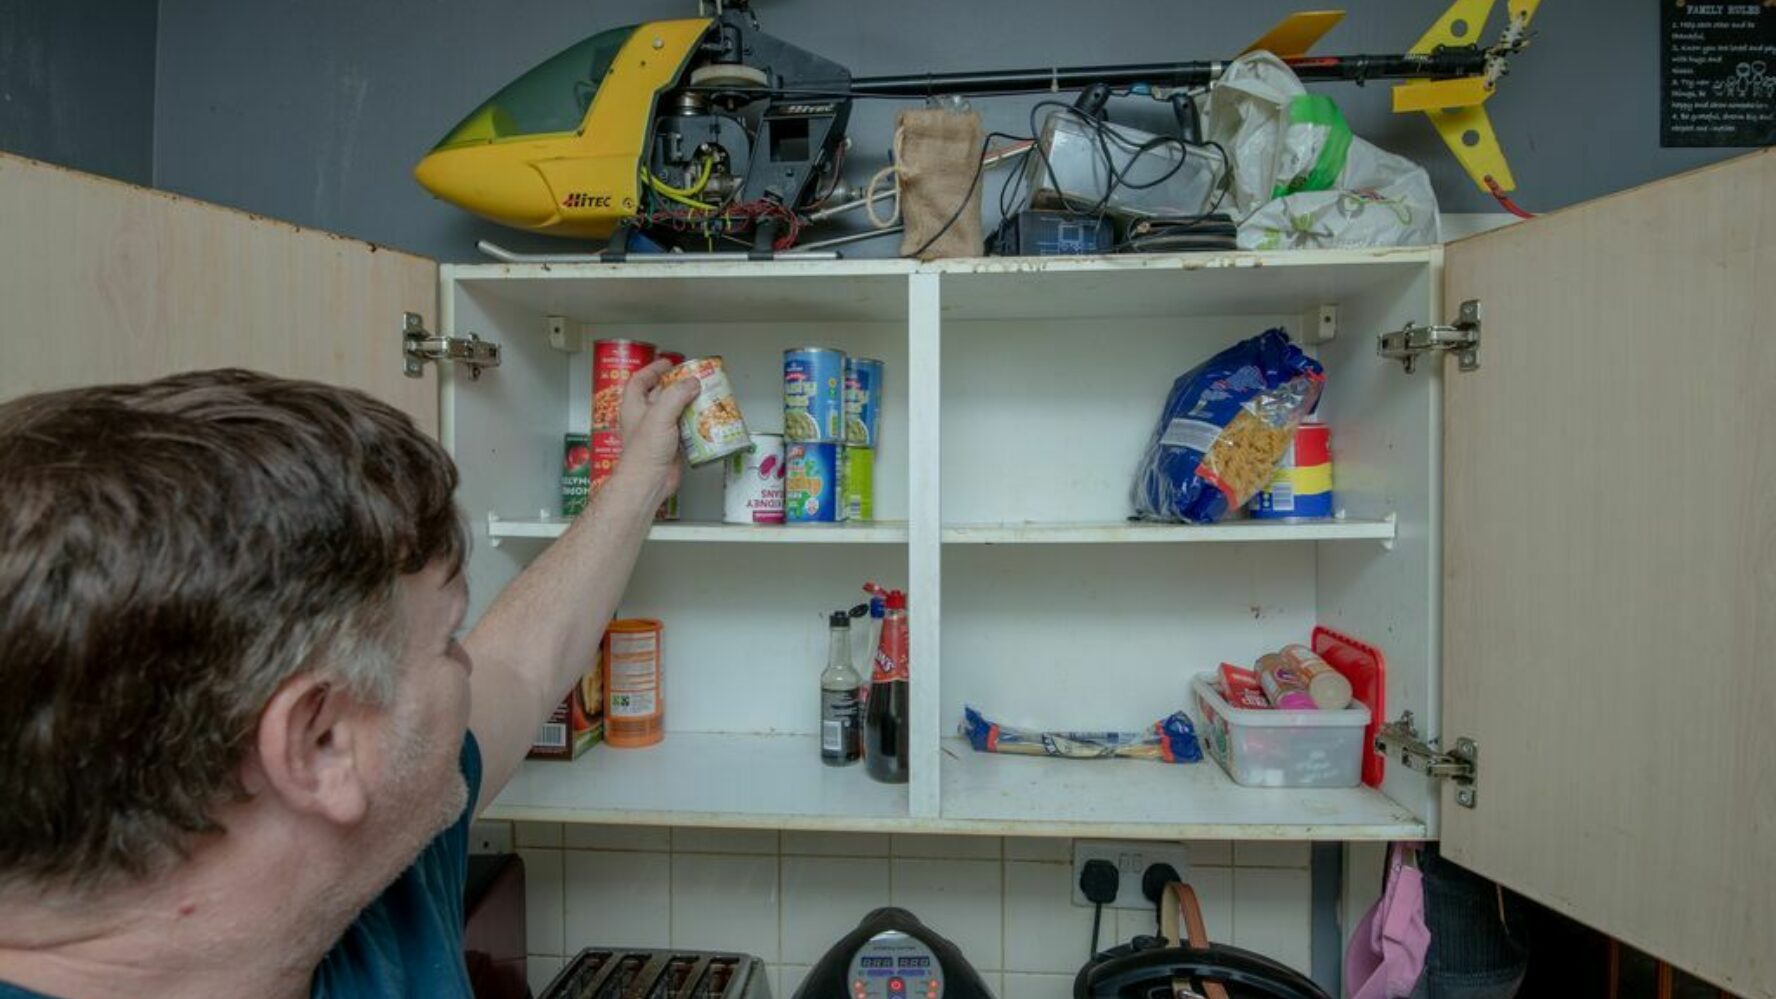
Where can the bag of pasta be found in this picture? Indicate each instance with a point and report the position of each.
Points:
(1225, 425)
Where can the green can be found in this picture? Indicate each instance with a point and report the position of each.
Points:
(857, 484)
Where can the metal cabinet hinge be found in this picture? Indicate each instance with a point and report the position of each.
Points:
(1399, 740)
(419, 346)
(1461, 338)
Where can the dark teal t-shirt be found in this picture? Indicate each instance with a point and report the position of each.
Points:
(409, 942)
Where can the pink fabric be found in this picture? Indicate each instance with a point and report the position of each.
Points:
(1387, 952)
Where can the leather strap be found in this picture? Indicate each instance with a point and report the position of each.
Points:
(1180, 902)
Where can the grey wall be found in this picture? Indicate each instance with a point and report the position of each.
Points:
(315, 112)
(77, 84)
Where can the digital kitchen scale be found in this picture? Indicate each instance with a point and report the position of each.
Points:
(891, 955)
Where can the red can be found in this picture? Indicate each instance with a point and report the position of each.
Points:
(613, 362)
(672, 355)
(607, 448)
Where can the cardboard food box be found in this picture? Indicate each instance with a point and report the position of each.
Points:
(576, 724)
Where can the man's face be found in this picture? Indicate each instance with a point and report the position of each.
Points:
(421, 787)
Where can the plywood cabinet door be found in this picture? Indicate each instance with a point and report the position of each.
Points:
(1609, 567)
(102, 281)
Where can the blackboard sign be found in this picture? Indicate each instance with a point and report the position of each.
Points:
(1717, 73)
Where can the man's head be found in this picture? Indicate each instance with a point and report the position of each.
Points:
(222, 592)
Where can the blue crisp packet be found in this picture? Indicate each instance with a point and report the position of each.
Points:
(1172, 739)
(1200, 464)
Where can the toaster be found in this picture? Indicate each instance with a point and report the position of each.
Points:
(628, 973)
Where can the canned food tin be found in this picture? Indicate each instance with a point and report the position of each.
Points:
(752, 483)
(711, 427)
(857, 484)
(1301, 487)
(607, 450)
(576, 483)
(811, 482)
(613, 362)
(863, 390)
(813, 394)
(670, 355)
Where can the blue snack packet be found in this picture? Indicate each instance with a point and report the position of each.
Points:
(1225, 425)
(1171, 739)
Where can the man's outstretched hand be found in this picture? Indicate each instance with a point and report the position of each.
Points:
(649, 420)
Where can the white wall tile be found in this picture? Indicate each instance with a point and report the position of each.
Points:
(540, 969)
(824, 898)
(726, 902)
(576, 836)
(543, 909)
(543, 835)
(693, 840)
(947, 847)
(1271, 853)
(791, 976)
(1128, 924)
(1021, 986)
(774, 976)
(1272, 914)
(1210, 852)
(618, 899)
(960, 899)
(824, 844)
(1038, 848)
(1044, 931)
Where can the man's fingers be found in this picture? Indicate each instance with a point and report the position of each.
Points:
(673, 399)
(643, 381)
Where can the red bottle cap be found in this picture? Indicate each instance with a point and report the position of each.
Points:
(896, 600)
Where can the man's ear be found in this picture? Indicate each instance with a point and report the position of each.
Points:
(312, 750)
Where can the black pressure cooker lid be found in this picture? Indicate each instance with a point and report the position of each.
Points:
(1147, 967)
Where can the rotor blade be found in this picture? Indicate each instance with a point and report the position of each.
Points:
(1427, 95)
(1295, 34)
(1469, 135)
(1461, 24)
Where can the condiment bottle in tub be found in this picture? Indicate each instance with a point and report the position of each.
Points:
(1328, 687)
(1284, 684)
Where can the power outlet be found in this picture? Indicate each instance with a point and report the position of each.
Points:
(1132, 858)
(490, 837)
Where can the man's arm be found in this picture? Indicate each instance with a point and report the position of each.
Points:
(541, 635)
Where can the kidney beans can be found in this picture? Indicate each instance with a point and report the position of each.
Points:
(752, 483)
(613, 363)
(857, 484)
(813, 394)
(711, 427)
(1301, 487)
(576, 466)
(863, 391)
(811, 482)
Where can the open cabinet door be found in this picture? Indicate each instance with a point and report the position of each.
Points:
(1609, 591)
(102, 281)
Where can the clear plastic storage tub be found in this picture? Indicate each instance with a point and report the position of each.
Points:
(1271, 748)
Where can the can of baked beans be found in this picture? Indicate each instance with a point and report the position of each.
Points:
(576, 479)
(863, 392)
(811, 482)
(634, 688)
(857, 484)
(672, 356)
(711, 427)
(813, 394)
(613, 362)
(752, 483)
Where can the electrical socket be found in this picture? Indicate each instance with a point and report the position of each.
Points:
(1131, 858)
(496, 837)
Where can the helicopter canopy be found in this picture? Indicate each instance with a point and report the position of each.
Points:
(550, 99)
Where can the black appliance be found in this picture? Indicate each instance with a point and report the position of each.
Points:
(635, 973)
(891, 955)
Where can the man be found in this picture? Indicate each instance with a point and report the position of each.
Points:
(240, 741)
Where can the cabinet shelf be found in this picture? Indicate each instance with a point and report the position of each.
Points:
(1127, 532)
(878, 532)
(1142, 798)
(703, 779)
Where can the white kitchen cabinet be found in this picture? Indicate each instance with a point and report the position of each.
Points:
(1566, 554)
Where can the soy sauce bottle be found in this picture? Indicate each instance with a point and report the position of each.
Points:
(885, 724)
(841, 736)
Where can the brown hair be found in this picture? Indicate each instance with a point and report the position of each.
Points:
(170, 553)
